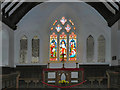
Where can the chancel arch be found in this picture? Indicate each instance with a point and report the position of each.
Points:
(90, 48)
(35, 49)
(23, 49)
(101, 48)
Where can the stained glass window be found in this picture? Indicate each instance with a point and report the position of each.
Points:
(62, 25)
(53, 47)
(72, 47)
(35, 49)
(23, 50)
(63, 47)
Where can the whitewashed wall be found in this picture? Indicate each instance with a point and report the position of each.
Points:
(7, 46)
(115, 44)
(0, 45)
(39, 20)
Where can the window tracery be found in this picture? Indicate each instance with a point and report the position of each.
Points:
(63, 40)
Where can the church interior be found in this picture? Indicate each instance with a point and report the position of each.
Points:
(60, 44)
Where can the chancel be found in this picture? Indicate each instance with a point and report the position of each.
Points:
(60, 44)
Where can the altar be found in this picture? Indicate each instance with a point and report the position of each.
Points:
(52, 76)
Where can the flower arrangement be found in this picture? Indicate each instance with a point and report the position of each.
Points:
(63, 82)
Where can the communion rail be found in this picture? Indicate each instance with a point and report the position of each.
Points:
(113, 79)
(10, 80)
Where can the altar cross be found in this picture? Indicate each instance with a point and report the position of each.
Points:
(63, 60)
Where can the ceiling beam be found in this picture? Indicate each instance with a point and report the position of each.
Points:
(11, 8)
(102, 9)
(9, 23)
(114, 19)
(113, 7)
(25, 7)
(3, 9)
(21, 11)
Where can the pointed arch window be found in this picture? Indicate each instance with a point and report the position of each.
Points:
(23, 49)
(101, 49)
(63, 35)
(72, 47)
(53, 47)
(35, 49)
(90, 49)
(63, 46)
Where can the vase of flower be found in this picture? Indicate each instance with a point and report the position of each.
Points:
(63, 82)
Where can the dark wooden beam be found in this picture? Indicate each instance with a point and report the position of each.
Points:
(6, 5)
(116, 11)
(17, 15)
(21, 11)
(9, 23)
(102, 9)
(3, 9)
(11, 8)
(114, 19)
(117, 4)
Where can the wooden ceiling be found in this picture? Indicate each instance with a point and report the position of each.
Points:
(13, 12)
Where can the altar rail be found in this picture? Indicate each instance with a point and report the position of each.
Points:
(10, 80)
(113, 79)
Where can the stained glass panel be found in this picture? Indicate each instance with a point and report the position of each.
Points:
(53, 47)
(72, 47)
(55, 22)
(68, 28)
(63, 47)
(58, 28)
(71, 22)
(63, 20)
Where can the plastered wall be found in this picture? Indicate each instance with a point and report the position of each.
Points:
(39, 20)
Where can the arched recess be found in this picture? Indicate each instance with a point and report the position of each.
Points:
(23, 49)
(90, 49)
(35, 49)
(101, 49)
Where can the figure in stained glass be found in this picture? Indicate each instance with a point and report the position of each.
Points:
(63, 46)
(72, 47)
(53, 47)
